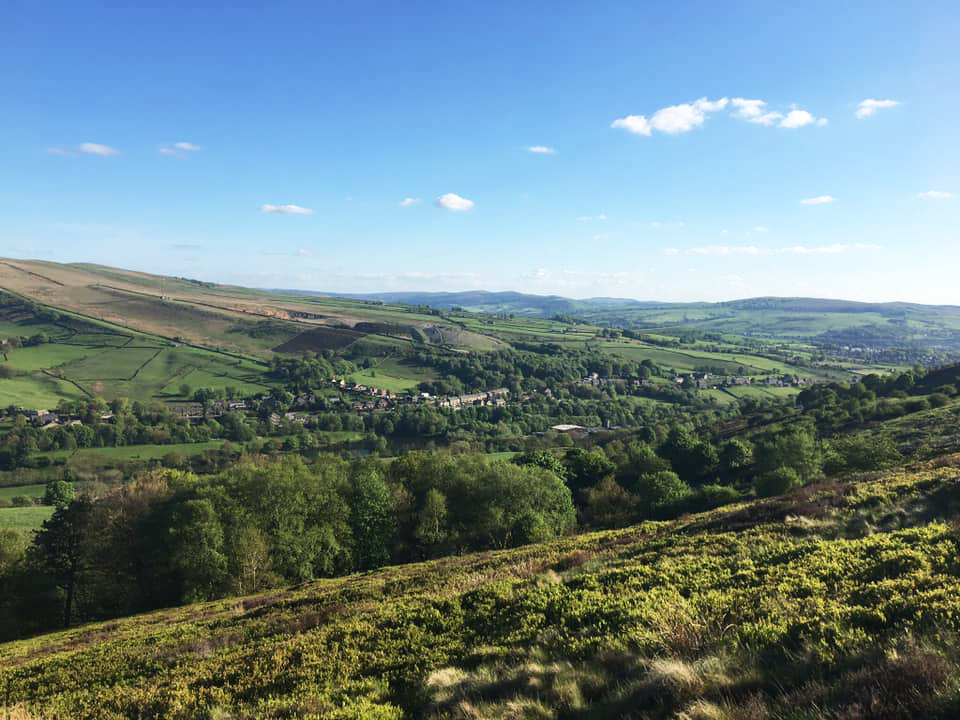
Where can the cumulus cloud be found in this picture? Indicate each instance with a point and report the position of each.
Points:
(818, 200)
(452, 201)
(671, 120)
(731, 250)
(868, 107)
(409, 202)
(796, 119)
(286, 209)
(86, 148)
(755, 111)
(935, 195)
(542, 149)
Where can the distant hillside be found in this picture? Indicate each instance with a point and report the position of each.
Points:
(495, 302)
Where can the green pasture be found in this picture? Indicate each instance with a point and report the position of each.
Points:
(24, 519)
(133, 452)
(34, 491)
(392, 375)
(36, 391)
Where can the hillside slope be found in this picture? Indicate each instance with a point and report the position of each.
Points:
(841, 600)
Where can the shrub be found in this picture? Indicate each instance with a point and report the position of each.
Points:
(777, 482)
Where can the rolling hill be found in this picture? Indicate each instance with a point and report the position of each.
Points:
(842, 595)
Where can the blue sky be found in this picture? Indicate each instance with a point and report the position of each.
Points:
(274, 145)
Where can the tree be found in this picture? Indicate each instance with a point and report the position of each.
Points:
(777, 481)
(371, 517)
(586, 468)
(735, 456)
(544, 459)
(657, 492)
(61, 547)
(431, 528)
(796, 449)
(197, 550)
(58, 493)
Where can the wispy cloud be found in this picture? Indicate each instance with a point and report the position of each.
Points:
(286, 209)
(818, 200)
(410, 201)
(542, 149)
(868, 107)
(89, 148)
(730, 250)
(179, 148)
(452, 201)
(935, 195)
(86, 148)
(671, 120)
(590, 218)
(760, 229)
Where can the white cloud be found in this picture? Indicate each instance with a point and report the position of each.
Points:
(748, 108)
(818, 200)
(304, 253)
(452, 201)
(868, 107)
(410, 201)
(935, 195)
(286, 209)
(796, 119)
(589, 218)
(540, 273)
(667, 225)
(761, 229)
(636, 124)
(89, 148)
(755, 111)
(724, 250)
(86, 149)
(542, 149)
(600, 237)
(178, 148)
(730, 250)
(671, 120)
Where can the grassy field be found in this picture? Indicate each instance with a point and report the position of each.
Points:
(813, 606)
(393, 375)
(133, 452)
(24, 519)
(34, 491)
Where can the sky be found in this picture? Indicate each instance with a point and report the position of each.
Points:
(670, 151)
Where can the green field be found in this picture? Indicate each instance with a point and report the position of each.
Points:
(133, 452)
(392, 375)
(24, 519)
(36, 391)
(34, 491)
(112, 364)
